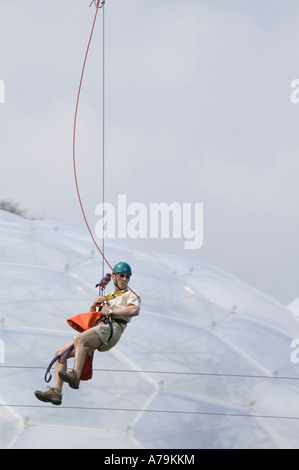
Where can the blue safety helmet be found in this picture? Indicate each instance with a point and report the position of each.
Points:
(122, 268)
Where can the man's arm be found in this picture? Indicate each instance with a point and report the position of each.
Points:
(129, 311)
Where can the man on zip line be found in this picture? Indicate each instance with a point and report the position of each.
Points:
(122, 305)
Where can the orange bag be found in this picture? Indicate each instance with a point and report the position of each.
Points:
(84, 321)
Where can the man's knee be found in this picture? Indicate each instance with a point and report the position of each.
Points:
(64, 349)
(78, 340)
(59, 351)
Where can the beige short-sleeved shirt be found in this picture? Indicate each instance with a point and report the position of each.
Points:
(122, 301)
(103, 330)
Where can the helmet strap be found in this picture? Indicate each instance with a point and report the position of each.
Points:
(115, 282)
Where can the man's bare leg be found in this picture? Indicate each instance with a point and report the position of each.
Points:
(54, 395)
(61, 364)
(87, 339)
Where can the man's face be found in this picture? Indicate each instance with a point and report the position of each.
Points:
(122, 279)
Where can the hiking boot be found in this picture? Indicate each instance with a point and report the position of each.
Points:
(70, 377)
(50, 395)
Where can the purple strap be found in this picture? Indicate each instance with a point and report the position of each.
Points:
(68, 352)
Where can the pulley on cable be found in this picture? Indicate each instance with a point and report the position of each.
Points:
(98, 3)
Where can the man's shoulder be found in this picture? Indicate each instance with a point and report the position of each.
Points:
(133, 295)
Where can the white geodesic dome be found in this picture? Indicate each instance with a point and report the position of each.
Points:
(206, 364)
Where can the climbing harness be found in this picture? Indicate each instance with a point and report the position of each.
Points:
(67, 352)
(117, 294)
(83, 322)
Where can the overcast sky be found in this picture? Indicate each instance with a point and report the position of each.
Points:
(198, 109)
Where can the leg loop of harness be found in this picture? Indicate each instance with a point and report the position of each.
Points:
(67, 352)
(57, 358)
(109, 321)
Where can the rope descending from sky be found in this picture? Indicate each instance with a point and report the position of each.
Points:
(99, 4)
(75, 128)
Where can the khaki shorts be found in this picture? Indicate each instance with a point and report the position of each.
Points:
(103, 332)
